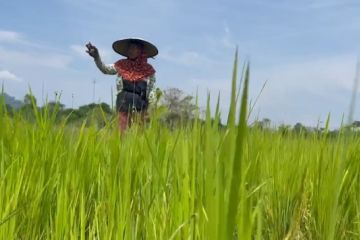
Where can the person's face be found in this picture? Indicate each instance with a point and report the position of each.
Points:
(134, 51)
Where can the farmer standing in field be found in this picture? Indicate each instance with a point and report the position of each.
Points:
(135, 77)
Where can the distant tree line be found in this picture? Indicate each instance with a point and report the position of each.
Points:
(172, 107)
(266, 125)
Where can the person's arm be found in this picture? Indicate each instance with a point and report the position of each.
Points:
(151, 90)
(104, 68)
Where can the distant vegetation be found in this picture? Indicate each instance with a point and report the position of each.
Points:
(175, 107)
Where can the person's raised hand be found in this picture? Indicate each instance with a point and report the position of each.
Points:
(92, 50)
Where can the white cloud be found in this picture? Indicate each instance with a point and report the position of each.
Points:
(10, 36)
(8, 76)
(34, 54)
(18, 58)
(305, 91)
(312, 75)
(187, 58)
(80, 51)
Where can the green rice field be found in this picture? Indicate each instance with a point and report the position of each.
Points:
(192, 182)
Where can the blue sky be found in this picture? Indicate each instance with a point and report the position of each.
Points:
(305, 50)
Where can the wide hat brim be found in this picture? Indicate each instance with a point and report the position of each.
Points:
(122, 46)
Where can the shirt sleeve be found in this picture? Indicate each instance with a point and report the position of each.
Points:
(151, 90)
(105, 68)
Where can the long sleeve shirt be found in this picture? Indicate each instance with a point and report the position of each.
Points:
(111, 70)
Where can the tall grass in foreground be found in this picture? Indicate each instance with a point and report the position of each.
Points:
(58, 182)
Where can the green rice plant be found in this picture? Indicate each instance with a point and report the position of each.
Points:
(61, 181)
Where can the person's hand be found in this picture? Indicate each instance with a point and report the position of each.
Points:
(92, 50)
